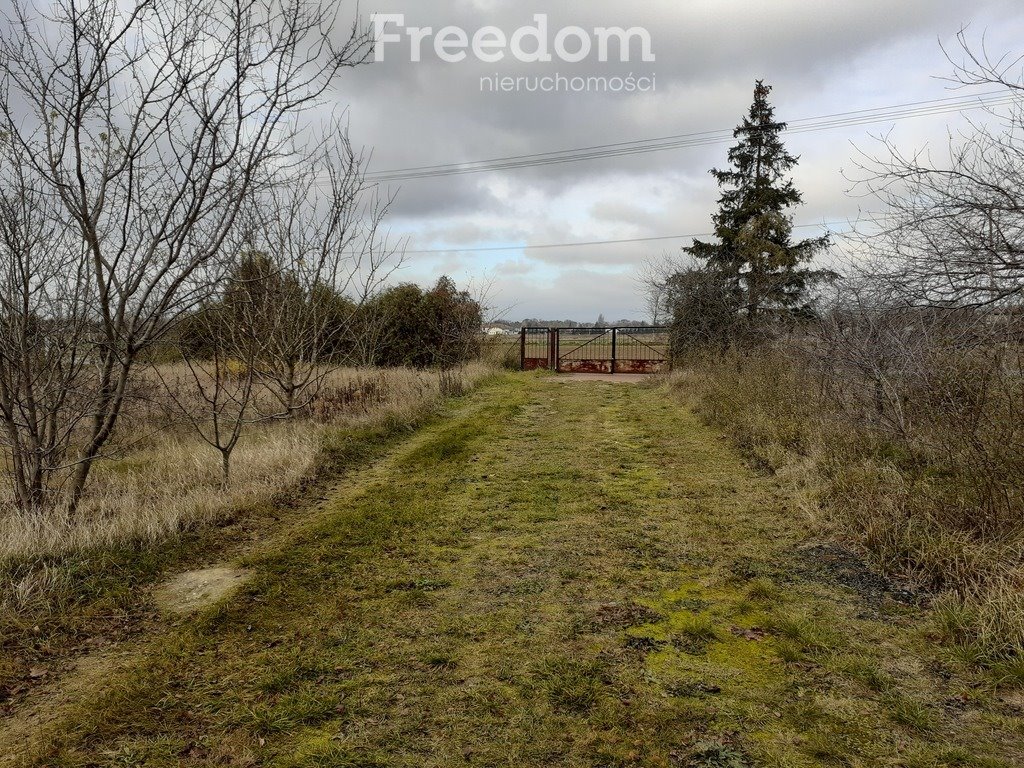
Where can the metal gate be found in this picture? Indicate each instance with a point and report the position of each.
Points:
(640, 350)
(594, 350)
(536, 349)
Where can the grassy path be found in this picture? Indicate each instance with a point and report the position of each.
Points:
(554, 574)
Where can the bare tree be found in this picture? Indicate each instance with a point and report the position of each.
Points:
(951, 230)
(324, 256)
(654, 277)
(45, 375)
(215, 395)
(373, 331)
(144, 128)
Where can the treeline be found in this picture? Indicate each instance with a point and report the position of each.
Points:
(896, 382)
(408, 326)
(264, 304)
(532, 322)
(265, 344)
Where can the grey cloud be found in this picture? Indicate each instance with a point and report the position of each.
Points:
(821, 58)
(578, 294)
(454, 195)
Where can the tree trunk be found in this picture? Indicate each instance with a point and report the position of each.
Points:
(225, 468)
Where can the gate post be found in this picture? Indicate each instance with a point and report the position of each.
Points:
(553, 349)
(522, 349)
(615, 333)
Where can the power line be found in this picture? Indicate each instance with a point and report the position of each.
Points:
(903, 111)
(578, 244)
(729, 131)
(659, 147)
(702, 138)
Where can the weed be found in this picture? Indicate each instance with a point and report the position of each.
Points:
(717, 755)
(572, 686)
(805, 632)
(694, 632)
(909, 713)
(763, 590)
(290, 711)
(789, 651)
(439, 659)
(867, 673)
(333, 755)
(986, 626)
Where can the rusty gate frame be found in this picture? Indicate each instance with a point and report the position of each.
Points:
(553, 357)
(548, 361)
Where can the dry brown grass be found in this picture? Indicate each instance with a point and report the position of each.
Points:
(170, 481)
(501, 351)
(172, 485)
(934, 500)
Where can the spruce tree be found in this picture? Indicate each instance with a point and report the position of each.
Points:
(766, 273)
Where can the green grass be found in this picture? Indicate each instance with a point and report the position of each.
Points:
(909, 713)
(763, 590)
(867, 673)
(551, 574)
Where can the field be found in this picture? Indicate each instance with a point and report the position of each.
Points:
(166, 479)
(550, 573)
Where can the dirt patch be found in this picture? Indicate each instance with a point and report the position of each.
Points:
(624, 615)
(837, 564)
(194, 590)
(608, 378)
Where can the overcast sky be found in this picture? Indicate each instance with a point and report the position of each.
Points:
(820, 57)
